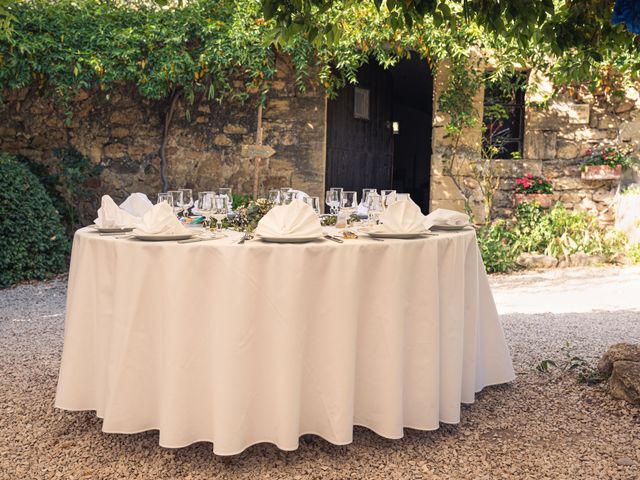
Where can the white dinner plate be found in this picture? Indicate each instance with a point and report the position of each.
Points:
(113, 230)
(397, 235)
(288, 239)
(450, 227)
(161, 238)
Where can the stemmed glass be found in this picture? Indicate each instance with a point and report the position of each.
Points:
(314, 203)
(403, 196)
(177, 200)
(284, 194)
(365, 194)
(388, 198)
(227, 192)
(287, 197)
(349, 202)
(332, 199)
(374, 207)
(165, 197)
(205, 206)
(220, 209)
(187, 200)
(274, 197)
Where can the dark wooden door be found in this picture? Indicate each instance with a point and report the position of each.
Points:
(359, 151)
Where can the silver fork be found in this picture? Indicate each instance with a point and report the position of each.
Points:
(245, 237)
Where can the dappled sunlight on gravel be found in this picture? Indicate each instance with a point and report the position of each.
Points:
(568, 290)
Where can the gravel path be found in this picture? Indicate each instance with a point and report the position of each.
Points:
(541, 426)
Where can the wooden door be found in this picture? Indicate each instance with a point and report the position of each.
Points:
(360, 151)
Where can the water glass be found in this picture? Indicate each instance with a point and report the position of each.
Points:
(165, 198)
(177, 200)
(287, 197)
(187, 200)
(314, 203)
(374, 207)
(205, 206)
(220, 209)
(388, 198)
(274, 197)
(227, 191)
(349, 202)
(332, 199)
(365, 194)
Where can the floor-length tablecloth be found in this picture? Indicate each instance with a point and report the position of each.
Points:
(240, 344)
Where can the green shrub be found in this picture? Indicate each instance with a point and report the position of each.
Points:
(496, 248)
(33, 241)
(65, 184)
(557, 233)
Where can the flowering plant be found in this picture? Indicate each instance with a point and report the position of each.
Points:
(611, 156)
(247, 215)
(531, 184)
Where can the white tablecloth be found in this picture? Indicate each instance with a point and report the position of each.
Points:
(241, 344)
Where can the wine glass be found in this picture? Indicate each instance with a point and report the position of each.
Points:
(227, 191)
(314, 203)
(365, 194)
(165, 197)
(374, 207)
(220, 209)
(274, 197)
(284, 192)
(332, 199)
(349, 202)
(177, 200)
(402, 196)
(388, 198)
(205, 206)
(187, 200)
(287, 197)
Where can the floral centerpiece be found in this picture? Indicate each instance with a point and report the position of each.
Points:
(532, 188)
(247, 215)
(606, 163)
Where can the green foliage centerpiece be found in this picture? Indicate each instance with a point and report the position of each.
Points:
(248, 214)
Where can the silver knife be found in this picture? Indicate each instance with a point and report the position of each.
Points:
(194, 240)
(335, 239)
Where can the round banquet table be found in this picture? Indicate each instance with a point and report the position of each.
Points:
(237, 344)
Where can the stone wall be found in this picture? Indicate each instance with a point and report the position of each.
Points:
(556, 139)
(122, 133)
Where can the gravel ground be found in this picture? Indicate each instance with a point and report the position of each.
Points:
(540, 426)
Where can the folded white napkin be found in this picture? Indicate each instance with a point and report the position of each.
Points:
(160, 220)
(402, 217)
(294, 220)
(449, 218)
(137, 204)
(112, 216)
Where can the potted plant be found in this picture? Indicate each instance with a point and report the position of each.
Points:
(531, 188)
(605, 163)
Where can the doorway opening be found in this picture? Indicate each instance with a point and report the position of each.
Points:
(379, 131)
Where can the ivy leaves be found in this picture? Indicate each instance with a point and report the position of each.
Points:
(203, 47)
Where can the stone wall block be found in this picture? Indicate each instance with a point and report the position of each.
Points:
(566, 149)
(539, 119)
(124, 117)
(630, 130)
(592, 135)
(572, 113)
(540, 144)
(222, 140)
(234, 129)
